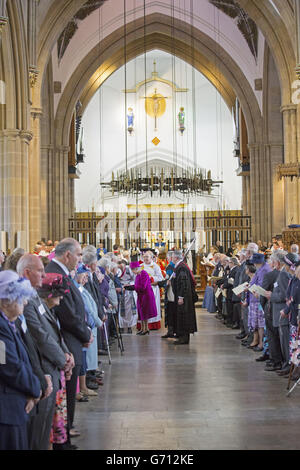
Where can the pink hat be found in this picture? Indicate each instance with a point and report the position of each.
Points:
(134, 265)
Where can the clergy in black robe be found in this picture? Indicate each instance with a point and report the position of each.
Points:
(185, 298)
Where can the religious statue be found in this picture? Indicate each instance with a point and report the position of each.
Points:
(181, 118)
(155, 106)
(130, 120)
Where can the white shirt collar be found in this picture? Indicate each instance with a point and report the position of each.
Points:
(63, 267)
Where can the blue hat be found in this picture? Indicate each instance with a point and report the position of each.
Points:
(258, 258)
(82, 269)
(14, 288)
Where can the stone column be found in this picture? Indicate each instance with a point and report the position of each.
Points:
(290, 156)
(46, 191)
(35, 180)
(255, 191)
(3, 13)
(14, 192)
(297, 18)
(60, 188)
(32, 41)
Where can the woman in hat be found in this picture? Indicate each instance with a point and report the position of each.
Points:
(54, 287)
(146, 305)
(88, 385)
(256, 318)
(20, 389)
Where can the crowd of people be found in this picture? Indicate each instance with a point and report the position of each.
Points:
(257, 291)
(61, 308)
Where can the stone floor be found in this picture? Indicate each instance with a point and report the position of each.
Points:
(210, 394)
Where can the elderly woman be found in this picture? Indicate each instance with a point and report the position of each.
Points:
(127, 306)
(53, 288)
(90, 355)
(256, 318)
(19, 387)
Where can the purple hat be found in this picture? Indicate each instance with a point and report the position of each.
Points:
(134, 264)
(258, 258)
(14, 288)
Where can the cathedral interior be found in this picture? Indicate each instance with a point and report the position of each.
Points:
(160, 123)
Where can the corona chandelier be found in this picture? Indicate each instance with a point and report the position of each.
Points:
(189, 182)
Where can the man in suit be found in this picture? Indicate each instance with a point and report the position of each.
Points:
(231, 299)
(53, 351)
(71, 314)
(272, 332)
(240, 278)
(278, 301)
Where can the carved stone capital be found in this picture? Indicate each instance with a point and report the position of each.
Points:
(289, 108)
(36, 112)
(288, 170)
(33, 75)
(26, 135)
(3, 22)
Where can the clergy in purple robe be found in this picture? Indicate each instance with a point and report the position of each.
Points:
(146, 305)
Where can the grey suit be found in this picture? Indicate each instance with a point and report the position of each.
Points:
(278, 301)
(46, 334)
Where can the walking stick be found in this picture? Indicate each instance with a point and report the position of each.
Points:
(290, 375)
(119, 334)
(107, 343)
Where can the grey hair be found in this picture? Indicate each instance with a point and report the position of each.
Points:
(252, 247)
(113, 266)
(18, 251)
(178, 254)
(89, 248)
(25, 262)
(89, 257)
(278, 256)
(295, 248)
(104, 263)
(67, 244)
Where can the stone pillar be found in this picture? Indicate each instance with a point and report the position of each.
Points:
(290, 156)
(297, 18)
(255, 191)
(32, 41)
(35, 180)
(46, 167)
(14, 191)
(60, 188)
(3, 13)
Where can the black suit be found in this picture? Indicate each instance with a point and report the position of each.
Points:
(272, 332)
(46, 335)
(33, 353)
(93, 287)
(71, 315)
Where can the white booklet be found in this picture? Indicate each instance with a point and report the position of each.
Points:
(241, 288)
(218, 293)
(258, 290)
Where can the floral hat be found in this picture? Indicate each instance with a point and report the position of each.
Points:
(14, 288)
(54, 285)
